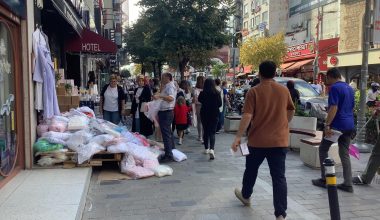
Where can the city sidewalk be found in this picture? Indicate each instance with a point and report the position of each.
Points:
(45, 194)
(203, 189)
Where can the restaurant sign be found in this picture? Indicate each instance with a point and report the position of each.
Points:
(300, 50)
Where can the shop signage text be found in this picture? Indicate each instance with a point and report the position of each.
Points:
(376, 23)
(90, 47)
(300, 50)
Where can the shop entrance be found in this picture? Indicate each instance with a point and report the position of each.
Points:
(11, 135)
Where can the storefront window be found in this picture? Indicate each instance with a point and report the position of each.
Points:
(8, 150)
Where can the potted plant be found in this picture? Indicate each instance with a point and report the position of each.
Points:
(68, 88)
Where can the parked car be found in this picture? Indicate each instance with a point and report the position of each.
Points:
(310, 100)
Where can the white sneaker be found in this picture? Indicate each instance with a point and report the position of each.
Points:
(207, 151)
(280, 218)
(212, 154)
(246, 202)
(180, 141)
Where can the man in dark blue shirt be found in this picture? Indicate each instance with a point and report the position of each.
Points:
(341, 118)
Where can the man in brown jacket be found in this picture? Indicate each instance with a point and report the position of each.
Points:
(268, 109)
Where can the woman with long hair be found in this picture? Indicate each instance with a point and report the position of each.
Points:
(112, 101)
(294, 93)
(142, 95)
(198, 89)
(211, 102)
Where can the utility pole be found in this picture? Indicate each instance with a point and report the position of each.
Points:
(316, 43)
(362, 146)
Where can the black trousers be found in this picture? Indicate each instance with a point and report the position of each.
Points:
(209, 131)
(276, 157)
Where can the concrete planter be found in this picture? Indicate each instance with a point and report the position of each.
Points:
(298, 122)
(232, 123)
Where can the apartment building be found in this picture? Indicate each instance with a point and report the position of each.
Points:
(264, 17)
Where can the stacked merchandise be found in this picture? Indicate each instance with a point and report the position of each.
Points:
(78, 132)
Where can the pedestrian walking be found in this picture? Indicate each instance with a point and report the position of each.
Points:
(198, 89)
(294, 93)
(181, 111)
(166, 114)
(268, 109)
(372, 166)
(211, 102)
(112, 101)
(373, 93)
(221, 115)
(142, 95)
(340, 117)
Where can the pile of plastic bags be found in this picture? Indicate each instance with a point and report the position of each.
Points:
(79, 132)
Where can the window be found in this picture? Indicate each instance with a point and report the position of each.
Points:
(258, 2)
(257, 20)
(265, 1)
(246, 25)
(265, 17)
(245, 9)
(252, 22)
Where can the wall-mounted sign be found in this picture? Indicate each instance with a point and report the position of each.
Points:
(301, 50)
(307, 5)
(376, 23)
(90, 47)
(69, 14)
(334, 60)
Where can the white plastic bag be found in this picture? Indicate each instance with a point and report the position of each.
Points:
(86, 110)
(118, 148)
(85, 152)
(162, 170)
(78, 138)
(78, 123)
(58, 135)
(53, 140)
(102, 139)
(60, 119)
(178, 155)
(112, 132)
(153, 108)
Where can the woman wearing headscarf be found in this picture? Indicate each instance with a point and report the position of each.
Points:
(112, 101)
(142, 95)
(372, 95)
(211, 102)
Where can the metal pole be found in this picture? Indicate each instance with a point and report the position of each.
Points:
(362, 146)
(316, 60)
(332, 190)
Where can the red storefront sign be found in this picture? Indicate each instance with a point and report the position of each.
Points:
(327, 47)
(334, 60)
(300, 50)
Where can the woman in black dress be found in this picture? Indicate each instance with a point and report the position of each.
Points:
(143, 94)
(211, 102)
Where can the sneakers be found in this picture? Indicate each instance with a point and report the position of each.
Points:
(180, 141)
(280, 218)
(246, 202)
(201, 140)
(207, 151)
(358, 181)
(345, 188)
(218, 132)
(319, 183)
(166, 159)
(212, 155)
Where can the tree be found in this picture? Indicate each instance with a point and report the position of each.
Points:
(141, 49)
(125, 73)
(138, 70)
(218, 69)
(273, 48)
(187, 29)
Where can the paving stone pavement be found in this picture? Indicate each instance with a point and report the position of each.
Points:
(203, 190)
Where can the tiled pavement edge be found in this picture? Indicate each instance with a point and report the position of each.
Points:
(203, 189)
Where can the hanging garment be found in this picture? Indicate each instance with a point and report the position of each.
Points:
(44, 73)
(38, 102)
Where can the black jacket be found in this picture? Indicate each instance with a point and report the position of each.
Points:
(120, 94)
(211, 102)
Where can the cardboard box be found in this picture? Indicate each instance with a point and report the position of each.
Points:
(75, 100)
(64, 100)
(64, 108)
(73, 106)
(61, 91)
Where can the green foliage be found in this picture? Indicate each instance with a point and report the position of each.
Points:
(218, 69)
(300, 112)
(186, 30)
(273, 48)
(125, 73)
(371, 130)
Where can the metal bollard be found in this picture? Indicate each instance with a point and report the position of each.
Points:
(332, 190)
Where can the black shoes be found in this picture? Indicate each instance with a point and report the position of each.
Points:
(346, 188)
(319, 182)
(358, 181)
(165, 159)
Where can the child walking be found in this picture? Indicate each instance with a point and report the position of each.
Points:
(181, 111)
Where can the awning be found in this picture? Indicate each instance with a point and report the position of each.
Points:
(91, 42)
(286, 65)
(299, 64)
(69, 14)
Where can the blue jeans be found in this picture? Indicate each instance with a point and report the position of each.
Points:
(276, 160)
(165, 119)
(113, 117)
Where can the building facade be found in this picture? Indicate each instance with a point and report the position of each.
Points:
(264, 17)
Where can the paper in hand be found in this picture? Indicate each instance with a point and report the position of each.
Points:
(241, 151)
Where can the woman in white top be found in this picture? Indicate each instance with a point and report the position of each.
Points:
(372, 95)
(112, 101)
(198, 89)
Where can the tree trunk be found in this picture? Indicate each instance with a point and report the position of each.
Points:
(159, 66)
(143, 69)
(182, 66)
(154, 69)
